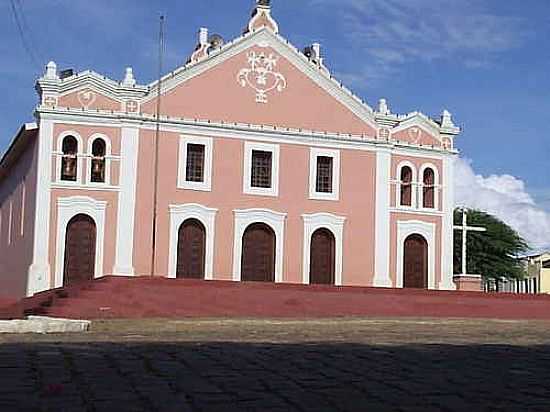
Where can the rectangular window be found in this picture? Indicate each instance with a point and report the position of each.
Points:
(261, 169)
(324, 174)
(10, 222)
(23, 199)
(195, 163)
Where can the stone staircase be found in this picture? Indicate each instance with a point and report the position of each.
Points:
(142, 297)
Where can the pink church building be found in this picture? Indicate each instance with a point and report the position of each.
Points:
(260, 167)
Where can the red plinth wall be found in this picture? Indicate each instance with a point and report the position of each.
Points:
(115, 297)
(468, 283)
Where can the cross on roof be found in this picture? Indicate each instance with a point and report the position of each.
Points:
(465, 229)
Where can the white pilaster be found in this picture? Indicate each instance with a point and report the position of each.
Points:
(129, 147)
(447, 240)
(38, 279)
(382, 220)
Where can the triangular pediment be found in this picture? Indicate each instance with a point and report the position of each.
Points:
(261, 79)
(417, 129)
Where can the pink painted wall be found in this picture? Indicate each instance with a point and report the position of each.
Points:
(213, 96)
(16, 256)
(356, 204)
(99, 102)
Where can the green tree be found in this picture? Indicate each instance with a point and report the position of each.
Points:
(492, 254)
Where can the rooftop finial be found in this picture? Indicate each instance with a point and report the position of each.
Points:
(383, 107)
(263, 3)
(447, 119)
(129, 80)
(261, 17)
(51, 71)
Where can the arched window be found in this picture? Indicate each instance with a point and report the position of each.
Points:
(406, 186)
(98, 161)
(428, 189)
(69, 164)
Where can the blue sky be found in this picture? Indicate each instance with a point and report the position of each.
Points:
(486, 61)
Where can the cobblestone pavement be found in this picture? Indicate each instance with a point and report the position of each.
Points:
(175, 371)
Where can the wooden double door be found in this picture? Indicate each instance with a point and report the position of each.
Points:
(191, 250)
(80, 250)
(415, 265)
(258, 254)
(322, 258)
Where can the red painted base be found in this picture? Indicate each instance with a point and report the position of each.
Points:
(468, 283)
(115, 297)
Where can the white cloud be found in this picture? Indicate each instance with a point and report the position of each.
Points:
(398, 32)
(506, 197)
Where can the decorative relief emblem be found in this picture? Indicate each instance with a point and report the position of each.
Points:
(50, 101)
(86, 98)
(261, 76)
(384, 134)
(447, 144)
(415, 133)
(132, 106)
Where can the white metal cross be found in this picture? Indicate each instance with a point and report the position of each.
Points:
(465, 229)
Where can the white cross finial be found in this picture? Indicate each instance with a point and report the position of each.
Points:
(129, 80)
(465, 229)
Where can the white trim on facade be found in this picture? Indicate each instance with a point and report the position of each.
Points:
(447, 238)
(428, 232)
(245, 218)
(129, 152)
(206, 184)
(382, 245)
(437, 187)
(207, 216)
(67, 208)
(108, 160)
(330, 222)
(247, 172)
(38, 278)
(414, 186)
(314, 153)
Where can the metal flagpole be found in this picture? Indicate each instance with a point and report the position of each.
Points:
(157, 138)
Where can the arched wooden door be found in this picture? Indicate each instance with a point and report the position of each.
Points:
(415, 265)
(80, 250)
(258, 254)
(322, 258)
(191, 250)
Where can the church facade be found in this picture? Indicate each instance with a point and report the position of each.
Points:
(255, 165)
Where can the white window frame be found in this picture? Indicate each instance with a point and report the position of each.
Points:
(414, 186)
(206, 184)
(272, 191)
(207, 216)
(67, 208)
(313, 155)
(333, 223)
(436, 187)
(108, 159)
(245, 218)
(428, 232)
(79, 158)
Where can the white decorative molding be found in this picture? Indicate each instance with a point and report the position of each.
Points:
(245, 218)
(247, 175)
(414, 186)
(382, 220)
(260, 12)
(261, 75)
(67, 208)
(314, 153)
(333, 223)
(436, 186)
(38, 279)
(447, 236)
(208, 143)
(428, 232)
(207, 216)
(129, 152)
